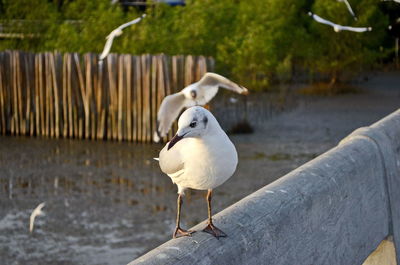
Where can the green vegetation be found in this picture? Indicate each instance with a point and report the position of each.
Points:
(254, 42)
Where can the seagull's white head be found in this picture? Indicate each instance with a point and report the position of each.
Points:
(194, 122)
(337, 29)
(193, 93)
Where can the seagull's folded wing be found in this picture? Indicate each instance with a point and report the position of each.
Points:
(171, 162)
(169, 110)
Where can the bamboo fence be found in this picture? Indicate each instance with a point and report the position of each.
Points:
(72, 96)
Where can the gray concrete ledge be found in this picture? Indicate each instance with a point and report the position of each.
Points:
(335, 209)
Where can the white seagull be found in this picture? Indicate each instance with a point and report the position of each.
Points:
(336, 27)
(199, 93)
(115, 33)
(37, 211)
(397, 1)
(349, 8)
(201, 157)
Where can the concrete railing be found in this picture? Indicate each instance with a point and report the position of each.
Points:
(335, 209)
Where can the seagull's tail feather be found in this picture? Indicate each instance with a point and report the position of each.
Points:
(156, 158)
(156, 137)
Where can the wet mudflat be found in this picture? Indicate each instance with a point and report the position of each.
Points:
(108, 202)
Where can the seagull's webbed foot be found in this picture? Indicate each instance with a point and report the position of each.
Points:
(179, 232)
(213, 230)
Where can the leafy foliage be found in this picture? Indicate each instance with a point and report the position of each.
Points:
(254, 42)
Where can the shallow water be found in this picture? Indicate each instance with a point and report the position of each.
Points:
(108, 202)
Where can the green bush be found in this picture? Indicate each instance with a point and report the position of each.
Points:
(254, 42)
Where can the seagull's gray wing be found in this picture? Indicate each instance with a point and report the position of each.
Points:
(355, 29)
(323, 21)
(209, 84)
(171, 162)
(169, 110)
(350, 9)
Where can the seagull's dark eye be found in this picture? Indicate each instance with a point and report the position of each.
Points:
(193, 124)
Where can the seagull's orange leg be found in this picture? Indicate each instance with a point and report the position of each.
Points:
(211, 228)
(179, 232)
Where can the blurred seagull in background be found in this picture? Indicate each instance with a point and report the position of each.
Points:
(397, 21)
(115, 33)
(200, 156)
(199, 93)
(336, 27)
(397, 1)
(37, 211)
(349, 8)
(233, 100)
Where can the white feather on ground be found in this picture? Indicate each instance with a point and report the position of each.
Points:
(337, 27)
(36, 212)
(199, 93)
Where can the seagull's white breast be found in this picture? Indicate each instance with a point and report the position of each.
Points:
(208, 162)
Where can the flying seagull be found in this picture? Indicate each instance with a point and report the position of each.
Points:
(336, 27)
(397, 1)
(37, 211)
(349, 8)
(201, 157)
(115, 33)
(199, 93)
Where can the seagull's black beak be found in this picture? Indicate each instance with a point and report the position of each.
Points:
(174, 140)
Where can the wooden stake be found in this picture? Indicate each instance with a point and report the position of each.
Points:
(120, 92)
(128, 64)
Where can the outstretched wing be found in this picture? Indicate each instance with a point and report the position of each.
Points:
(355, 29)
(132, 22)
(169, 110)
(350, 9)
(213, 79)
(37, 211)
(209, 83)
(107, 47)
(321, 20)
